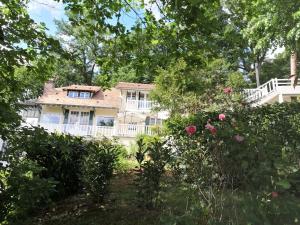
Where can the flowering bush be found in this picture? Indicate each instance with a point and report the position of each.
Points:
(249, 150)
(252, 147)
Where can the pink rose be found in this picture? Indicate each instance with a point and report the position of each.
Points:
(227, 90)
(211, 128)
(191, 129)
(274, 194)
(222, 116)
(213, 131)
(239, 138)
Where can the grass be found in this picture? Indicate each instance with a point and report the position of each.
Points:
(179, 206)
(120, 208)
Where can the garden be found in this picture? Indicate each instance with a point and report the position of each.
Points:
(216, 160)
(231, 167)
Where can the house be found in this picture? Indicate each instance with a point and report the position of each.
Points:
(122, 112)
(275, 90)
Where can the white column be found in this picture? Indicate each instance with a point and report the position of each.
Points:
(116, 127)
(280, 98)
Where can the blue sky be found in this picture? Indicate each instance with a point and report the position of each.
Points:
(48, 10)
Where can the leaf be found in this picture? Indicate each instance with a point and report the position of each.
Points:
(284, 184)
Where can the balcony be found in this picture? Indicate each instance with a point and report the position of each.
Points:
(138, 105)
(120, 130)
(273, 90)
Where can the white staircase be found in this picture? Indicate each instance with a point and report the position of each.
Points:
(275, 90)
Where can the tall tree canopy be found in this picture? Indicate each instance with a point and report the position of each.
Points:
(22, 41)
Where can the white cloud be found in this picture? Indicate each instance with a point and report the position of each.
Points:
(38, 7)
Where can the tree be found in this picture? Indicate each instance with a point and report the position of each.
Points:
(78, 63)
(182, 89)
(275, 68)
(277, 21)
(21, 42)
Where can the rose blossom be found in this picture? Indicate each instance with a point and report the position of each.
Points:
(191, 129)
(274, 194)
(227, 90)
(239, 138)
(211, 128)
(222, 116)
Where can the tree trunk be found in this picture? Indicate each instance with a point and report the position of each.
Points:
(257, 72)
(293, 76)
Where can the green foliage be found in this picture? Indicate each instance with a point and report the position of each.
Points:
(152, 169)
(23, 42)
(277, 68)
(60, 155)
(254, 150)
(180, 89)
(98, 166)
(78, 62)
(23, 190)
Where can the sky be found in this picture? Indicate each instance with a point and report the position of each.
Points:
(47, 11)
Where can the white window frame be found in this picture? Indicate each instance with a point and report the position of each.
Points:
(130, 97)
(80, 117)
(71, 94)
(146, 96)
(84, 94)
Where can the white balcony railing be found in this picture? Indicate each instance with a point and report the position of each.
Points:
(138, 105)
(273, 86)
(120, 130)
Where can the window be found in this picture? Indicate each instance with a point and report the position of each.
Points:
(154, 121)
(50, 118)
(143, 96)
(84, 118)
(131, 95)
(81, 118)
(84, 94)
(79, 94)
(73, 117)
(31, 112)
(105, 121)
(73, 94)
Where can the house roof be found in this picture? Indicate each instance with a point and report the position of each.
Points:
(100, 99)
(134, 86)
(82, 88)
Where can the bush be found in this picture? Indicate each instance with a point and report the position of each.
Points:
(158, 154)
(23, 190)
(60, 155)
(98, 166)
(246, 150)
(253, 148)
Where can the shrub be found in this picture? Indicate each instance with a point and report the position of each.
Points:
(60, 155)
(253, 148)
(23, 191)
(149, 180)
(98, 166)
(251, 151)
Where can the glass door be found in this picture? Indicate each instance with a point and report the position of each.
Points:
(78, 123)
